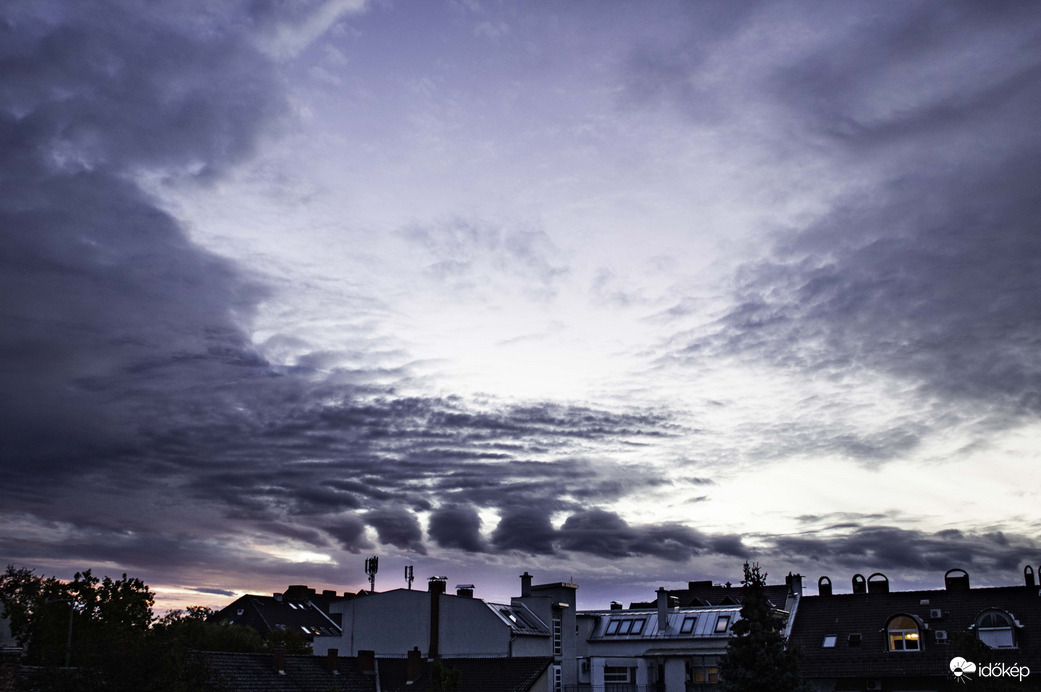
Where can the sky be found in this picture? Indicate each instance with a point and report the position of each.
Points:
(619, 293)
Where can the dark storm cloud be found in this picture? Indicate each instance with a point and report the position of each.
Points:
(604, 533)
(104, 294)
(349, 532)
(902, 551)
(600, 532)
(926, 270)
(457, 527)
(215, 592)
(525, 530)
(397, 527)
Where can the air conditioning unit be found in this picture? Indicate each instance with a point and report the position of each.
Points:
(935, 613)
(874, 684)
(941, 635)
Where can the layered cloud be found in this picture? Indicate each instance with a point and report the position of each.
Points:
(148, 421)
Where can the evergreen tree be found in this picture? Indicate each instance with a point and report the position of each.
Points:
(758, 658)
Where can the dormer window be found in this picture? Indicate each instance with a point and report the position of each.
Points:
(994, 628)
(626, 626)
(903, 634)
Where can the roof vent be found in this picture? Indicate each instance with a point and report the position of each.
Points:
(1028, 575)
(859, 584)
(956, 580)
(879, 584)
(615, 605)
(824, 586)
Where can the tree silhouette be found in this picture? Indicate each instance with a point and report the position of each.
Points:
(758, 658)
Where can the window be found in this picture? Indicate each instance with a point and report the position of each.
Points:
(706, 675)
(829, 641)
(556, 636)
(619, 675)
(903, 634)
(628, 626)
(994, 629)
(854, 639)
(688, 625)
(558, 680)
(722, 622)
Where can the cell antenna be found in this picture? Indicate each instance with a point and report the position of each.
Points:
(372, 565)
(408, 576)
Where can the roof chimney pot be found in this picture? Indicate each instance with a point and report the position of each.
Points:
(525, 585)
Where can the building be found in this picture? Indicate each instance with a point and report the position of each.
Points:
(278, 672)
(880, 640)
(673, 644)
(540, 623)
(299, 609)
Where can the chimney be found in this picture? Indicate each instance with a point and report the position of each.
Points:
(367, 661)
(328, 593)
(436, 586)
(859, 584)
(412, 666)
(880, 585)
(956, 580)
(615, 605)
(525, 585)
(332, 659)
(663, 609)
(1028, 575)
(824, 586)
(279, 660)
(794, 584)
(464, 590)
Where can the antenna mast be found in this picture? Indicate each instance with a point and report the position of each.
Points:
(408, 576)
(372, 565)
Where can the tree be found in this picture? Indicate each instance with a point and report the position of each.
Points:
(758, 658)
(443, 678)
(114, 644)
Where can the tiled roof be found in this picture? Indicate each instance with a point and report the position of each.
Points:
(867, 614)
(475, 674)
(701, 593)
(266, 613)
(239, 672)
